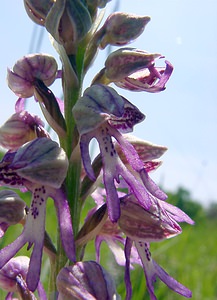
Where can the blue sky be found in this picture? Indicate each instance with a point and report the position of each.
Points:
(183, 117)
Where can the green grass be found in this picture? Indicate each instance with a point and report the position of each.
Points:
(191, 258)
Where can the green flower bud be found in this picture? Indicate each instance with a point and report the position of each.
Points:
(37, 10)
(68, 22)
(121, 28)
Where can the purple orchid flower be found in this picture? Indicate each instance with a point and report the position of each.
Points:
(108, 114)
(152, 270)
(151, 79)
(40, 166)
(142, 227)
(135, 70)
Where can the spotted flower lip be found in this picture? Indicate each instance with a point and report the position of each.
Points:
(142, 227)
(153, 271)
(22, 76)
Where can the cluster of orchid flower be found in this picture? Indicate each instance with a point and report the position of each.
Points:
(130, 210)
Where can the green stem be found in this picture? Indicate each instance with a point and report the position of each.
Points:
(72, 85)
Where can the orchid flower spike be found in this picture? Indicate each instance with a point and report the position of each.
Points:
(40, 166)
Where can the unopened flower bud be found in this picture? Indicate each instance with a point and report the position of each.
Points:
(85, 280)
(50, 108)
(41, 161)
(21, 128)
(12, 210)
(98, 3)
(68, 22)
(22, 77)
(92, 226)
(121, 28)
(17, 266)
(38, 10)
(123, 62)
(145, 225)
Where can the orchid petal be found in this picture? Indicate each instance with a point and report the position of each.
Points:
(20, 105)
(65, 224)
(152, 186)
(127, 250)
(152, 271)
(176, 213)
